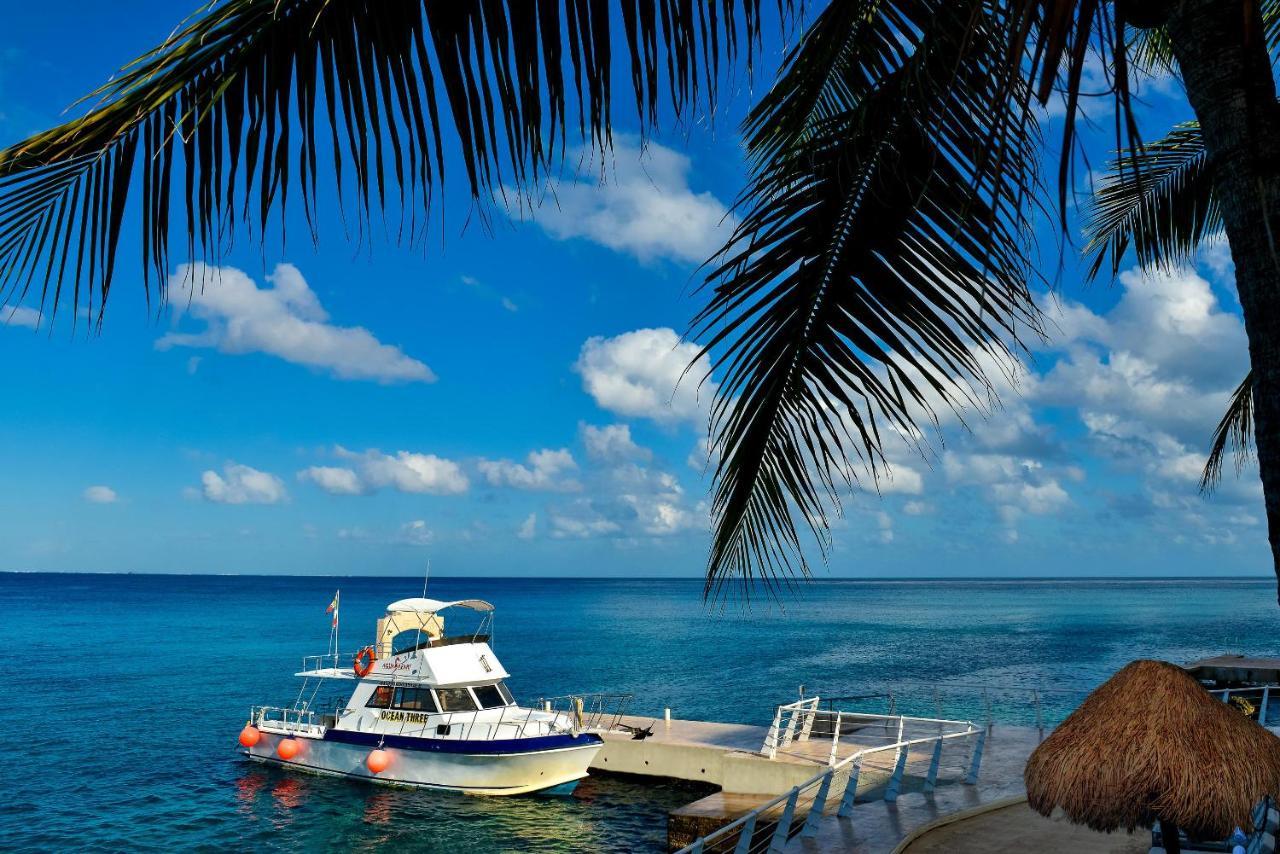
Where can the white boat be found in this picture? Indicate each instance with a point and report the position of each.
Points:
(427, 710)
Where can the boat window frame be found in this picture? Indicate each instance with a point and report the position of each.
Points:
(475, 707)
(502, 697)
(379, 689)
(505, 692)
(398, 703)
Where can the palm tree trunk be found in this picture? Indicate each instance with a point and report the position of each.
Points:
(1169, 840)
(1225, 66)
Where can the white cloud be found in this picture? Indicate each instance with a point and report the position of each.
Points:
(917, 508)
(285, 320)
(334, 480)
(100, 495)
(629, 500)
(416, 533)
(640, 203)
(404, 471)
(240, 484)
(528, 528)
(542, 472)
(18, 315)
(641, 374)
(611, 444)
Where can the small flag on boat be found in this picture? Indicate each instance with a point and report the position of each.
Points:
(333, 608)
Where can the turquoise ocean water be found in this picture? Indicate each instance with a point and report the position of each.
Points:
(126, 693)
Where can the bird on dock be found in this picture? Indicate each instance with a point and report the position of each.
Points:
(638, 734)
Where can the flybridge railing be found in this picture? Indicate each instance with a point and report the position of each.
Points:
(769, 826)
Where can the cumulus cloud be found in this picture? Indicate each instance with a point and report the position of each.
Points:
(285, 320)
(18, 315)
(404, 471)
(334, 479)
(542, 470)
(629, 500)
(640, 203)
(416, 533)
(528, 528)
(611, 444)
(100, 495)
(641, 374)
(240, 484)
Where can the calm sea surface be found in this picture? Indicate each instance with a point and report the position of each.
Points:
(126, 693)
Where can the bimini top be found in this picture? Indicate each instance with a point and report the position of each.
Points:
(418, 605)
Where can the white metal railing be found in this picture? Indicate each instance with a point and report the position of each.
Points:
(791, 722)
(1260, 694)
(598, 711)
(805, 804)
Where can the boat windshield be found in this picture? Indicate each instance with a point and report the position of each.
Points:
(455, 700)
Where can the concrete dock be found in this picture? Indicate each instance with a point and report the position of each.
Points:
(736, 758)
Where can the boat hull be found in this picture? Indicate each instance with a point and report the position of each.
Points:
(514, 767)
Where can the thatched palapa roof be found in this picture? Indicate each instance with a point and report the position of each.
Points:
(1150, 743)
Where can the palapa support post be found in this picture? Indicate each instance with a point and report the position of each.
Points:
(819, 804)
(744, 835)
(850, 790)
(972, 777)
(783, 830)
(895, 782)
(932, 779)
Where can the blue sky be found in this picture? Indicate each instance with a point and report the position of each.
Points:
(504, 401)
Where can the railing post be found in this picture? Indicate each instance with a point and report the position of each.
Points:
(744, 835)
(895, 782)
(790, 734)
(893, 703)
(850, 789)
(771, 740)
(976, 763)
(835, 740)
(932, 779)
(897, 754)
(696, 847)
(815, 809)
(986, 702)
(783, 830)
(1262, 712)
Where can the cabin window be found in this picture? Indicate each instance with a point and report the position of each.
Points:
(380, 698)
(488, 696)
(455, 700)
(415, 700)
(506, 695)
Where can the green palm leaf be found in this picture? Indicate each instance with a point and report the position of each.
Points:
(879, 255)
(218, 124)
(1235, 430)
(1158, 199)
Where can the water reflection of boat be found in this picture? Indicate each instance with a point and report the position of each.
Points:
(427, 710)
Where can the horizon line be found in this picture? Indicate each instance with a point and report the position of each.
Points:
(690, 578)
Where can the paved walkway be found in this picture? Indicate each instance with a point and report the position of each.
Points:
(877, 827)
(1017, 829)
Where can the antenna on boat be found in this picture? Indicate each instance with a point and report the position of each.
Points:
(425, 576)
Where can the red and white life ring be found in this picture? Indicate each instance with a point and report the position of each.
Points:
(363, 662)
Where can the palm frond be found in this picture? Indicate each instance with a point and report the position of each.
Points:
(1150, 49)
(1158, 198)
(1235, 430)
(880, 254)
(217, 125)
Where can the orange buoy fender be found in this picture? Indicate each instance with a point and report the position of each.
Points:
(363, 662)
(287, 748)
(249, 736)
(378, 760)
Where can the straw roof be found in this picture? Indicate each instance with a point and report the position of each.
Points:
(1150, 743)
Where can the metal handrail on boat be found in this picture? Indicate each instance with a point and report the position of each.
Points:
(807, 802)
(594, 711)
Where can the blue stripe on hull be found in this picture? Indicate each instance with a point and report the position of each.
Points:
(473, 748)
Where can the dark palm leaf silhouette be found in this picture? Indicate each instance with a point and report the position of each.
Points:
(880, 261)
(1235, 430)
(879, 253)
(238, 105)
